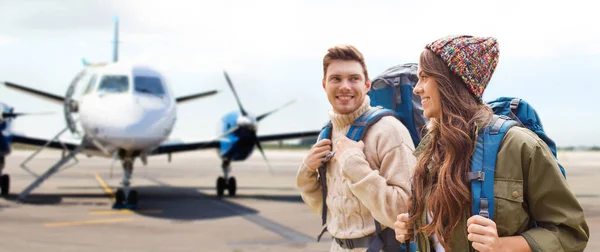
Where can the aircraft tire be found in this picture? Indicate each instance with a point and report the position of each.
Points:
(133, 198)
(231, 186)
(221, 184)
(4, 184)
(120, 197)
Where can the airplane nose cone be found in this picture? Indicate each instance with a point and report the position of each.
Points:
(130, 120)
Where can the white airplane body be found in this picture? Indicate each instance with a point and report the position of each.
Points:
(127, 107)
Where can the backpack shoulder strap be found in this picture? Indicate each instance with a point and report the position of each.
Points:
(483, 165)
(360, 126)
(325, 132)
(385, 238)
(322, 170)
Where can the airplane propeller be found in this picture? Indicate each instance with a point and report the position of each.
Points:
(228, 132)
(244, 113)
(252, 126)
(15, 115)
(262, 152)
(70, 105)
(260, 117)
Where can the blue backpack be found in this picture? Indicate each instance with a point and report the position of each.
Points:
(393, 89)
(508, 112)
(391, 94)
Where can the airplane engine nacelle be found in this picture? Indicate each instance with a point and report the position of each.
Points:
(71, 106)
(5, 136)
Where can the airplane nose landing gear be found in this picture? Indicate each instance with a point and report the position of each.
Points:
(126, 198)
(226, 182)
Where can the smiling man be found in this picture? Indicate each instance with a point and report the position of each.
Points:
(366, 180)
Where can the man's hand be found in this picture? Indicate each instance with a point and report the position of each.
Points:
(482, 232)
(403, 228)
(345, 143)
(317, 153)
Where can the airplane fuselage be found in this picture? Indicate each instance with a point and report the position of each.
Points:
(126, 107)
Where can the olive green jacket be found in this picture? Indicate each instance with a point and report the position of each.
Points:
(528, 186)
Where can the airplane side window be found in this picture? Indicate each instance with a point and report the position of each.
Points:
(148, 85)
(90, 85)
(114, 84)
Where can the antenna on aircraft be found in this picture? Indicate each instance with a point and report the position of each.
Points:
(116, 40)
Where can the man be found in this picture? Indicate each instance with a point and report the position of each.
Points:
(366, 180)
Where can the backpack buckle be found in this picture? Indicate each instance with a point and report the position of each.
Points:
(514, 104)
(484, 211)
(478, 175)
(328, 157)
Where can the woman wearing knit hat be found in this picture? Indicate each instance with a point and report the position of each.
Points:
(534, 208)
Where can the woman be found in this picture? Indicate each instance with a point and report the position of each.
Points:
(535, 209)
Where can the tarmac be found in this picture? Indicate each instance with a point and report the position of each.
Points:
(178, 209)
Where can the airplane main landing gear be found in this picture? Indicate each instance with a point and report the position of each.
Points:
(126, 198)
(229, 184)
(4, 179)
(226, 182)
(4, 184)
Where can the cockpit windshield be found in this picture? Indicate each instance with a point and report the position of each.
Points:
(148, 85)
(114, 84)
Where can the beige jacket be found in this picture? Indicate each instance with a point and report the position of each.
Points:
(363, 185)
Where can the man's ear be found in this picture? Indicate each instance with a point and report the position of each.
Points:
(368, 84)
(324, 84)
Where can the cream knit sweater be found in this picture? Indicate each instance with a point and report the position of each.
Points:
(360, 185)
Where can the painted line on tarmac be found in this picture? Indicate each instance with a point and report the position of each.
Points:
(286, 232)
(104, 186)
(88, 222)
(124, 211)
(254, 243)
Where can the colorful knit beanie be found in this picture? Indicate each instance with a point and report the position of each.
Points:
(474, 59)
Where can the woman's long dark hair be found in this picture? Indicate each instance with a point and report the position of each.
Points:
(441, 172)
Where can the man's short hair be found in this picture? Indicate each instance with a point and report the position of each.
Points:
(344, 52)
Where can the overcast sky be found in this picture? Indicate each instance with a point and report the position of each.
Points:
(549, 53)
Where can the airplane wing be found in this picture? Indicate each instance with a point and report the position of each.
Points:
(26, 140)
(285, 136)
(173, 147)
(40, 94)
(38, 142)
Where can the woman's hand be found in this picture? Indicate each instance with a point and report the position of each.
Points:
(482, 232)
